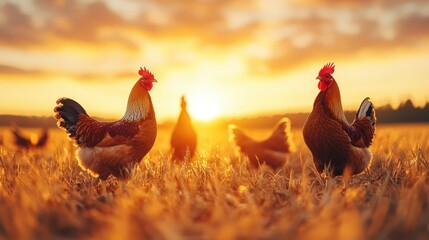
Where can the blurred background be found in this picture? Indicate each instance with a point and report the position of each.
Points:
(230, 58)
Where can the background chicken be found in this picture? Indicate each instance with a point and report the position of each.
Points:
(183, 138)
(334, 142)
(115, 148)
(35, 141)
(271, 151)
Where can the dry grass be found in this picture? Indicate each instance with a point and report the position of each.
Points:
(45, 195)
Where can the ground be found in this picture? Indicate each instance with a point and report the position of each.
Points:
(45, 195)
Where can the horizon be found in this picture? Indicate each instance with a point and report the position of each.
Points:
(230, 59)
(221, 117)
(389, 114)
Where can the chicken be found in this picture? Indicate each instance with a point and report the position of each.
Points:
(33, 142)
(183, 138)
(335, 144)
(112, 148)
(271, 151)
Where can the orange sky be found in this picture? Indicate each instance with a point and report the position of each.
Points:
(227, 57)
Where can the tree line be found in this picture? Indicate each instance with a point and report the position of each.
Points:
(406, 112)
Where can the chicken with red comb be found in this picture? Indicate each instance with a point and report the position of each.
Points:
(112, 148)
(337, 145)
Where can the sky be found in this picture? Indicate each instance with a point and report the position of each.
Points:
(228, 57)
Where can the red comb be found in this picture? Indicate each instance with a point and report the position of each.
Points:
(328, 68)
(145, 73)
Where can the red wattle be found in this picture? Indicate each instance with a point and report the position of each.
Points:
(148, 85)
(322, 86)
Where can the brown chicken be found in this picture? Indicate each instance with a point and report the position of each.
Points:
(271, 151)
(112, 148)
(183, 139)
(32, 142)
(335, 144)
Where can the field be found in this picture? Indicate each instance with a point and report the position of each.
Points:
(45, 195)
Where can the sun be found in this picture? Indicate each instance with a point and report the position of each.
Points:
(204, 108)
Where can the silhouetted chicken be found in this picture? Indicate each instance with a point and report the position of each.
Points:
(183, 138)
(271, 151)
(27, 143)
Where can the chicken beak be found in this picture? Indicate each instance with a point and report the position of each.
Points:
(318, 78)
(154, 80)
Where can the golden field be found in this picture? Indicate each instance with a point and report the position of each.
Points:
(45, 195)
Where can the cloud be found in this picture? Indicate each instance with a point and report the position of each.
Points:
(16, 28)
(10, 70)
(205, 21)
(351, 3)
(413, 29)
(64, 24)
(83, 22)
(298, 34)
(319, 36)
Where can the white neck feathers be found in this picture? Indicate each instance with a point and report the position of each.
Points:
(139, 104)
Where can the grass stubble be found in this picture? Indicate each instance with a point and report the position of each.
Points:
(45, 195)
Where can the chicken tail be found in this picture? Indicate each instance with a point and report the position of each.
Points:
(281, 138)
(362, 130)
(367, 110)
(67, 114)
(20, 140)
(237, 136)
(43, 138)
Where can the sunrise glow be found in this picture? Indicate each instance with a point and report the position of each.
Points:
(204, 108)
(261, 58)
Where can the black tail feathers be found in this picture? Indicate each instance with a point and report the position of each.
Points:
(367, 109)
(67, 114)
